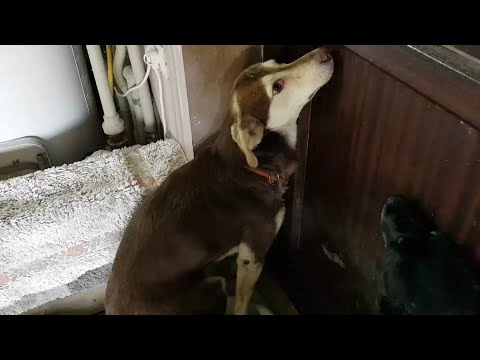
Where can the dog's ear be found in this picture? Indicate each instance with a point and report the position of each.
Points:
(247, 132)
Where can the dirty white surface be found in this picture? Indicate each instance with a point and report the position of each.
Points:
(60, 228)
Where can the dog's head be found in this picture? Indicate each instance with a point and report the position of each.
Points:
(402, 219)
(270, 96)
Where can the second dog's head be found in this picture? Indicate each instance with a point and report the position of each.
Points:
(270, 96)
(402, 220)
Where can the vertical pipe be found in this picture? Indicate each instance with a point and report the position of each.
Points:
(100, 74)
(139, 125)
(118, 62)
(113, 125)
(110, 67)
(136, 59)
(125, 106)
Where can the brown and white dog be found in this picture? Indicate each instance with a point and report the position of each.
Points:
(226, 201)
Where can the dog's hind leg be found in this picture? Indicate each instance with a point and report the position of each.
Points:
(208, 297)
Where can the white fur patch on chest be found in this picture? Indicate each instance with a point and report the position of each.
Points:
(289, 132)
(279, 219)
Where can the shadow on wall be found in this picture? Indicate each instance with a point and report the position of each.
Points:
(210, 71)
(60, 149)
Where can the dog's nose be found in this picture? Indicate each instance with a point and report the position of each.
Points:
(324, 55)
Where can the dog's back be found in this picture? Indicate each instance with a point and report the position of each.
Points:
(194, 218)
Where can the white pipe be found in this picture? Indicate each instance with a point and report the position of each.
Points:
(112, 124)
(118, 61)
(134, 100)
(120, 77)
(135, 54)
(126, 108)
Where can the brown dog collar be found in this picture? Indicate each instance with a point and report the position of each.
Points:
(272, 177)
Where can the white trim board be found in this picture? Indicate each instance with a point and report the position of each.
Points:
(175, 98)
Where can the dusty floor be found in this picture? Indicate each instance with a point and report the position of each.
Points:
(268, 298)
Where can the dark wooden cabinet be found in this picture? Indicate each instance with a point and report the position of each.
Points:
(392, 120)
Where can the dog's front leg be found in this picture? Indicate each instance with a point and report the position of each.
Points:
(249, 268)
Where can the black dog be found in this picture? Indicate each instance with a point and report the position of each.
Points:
(425, 272)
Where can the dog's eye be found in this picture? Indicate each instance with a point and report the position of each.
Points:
(277, 86)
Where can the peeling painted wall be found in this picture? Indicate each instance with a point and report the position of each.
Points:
(210, 71)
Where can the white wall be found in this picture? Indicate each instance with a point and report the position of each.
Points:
(41, 95)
